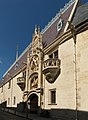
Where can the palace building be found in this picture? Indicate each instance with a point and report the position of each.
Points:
(52, 72)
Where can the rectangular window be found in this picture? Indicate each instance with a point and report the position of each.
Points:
(51, 56)
(14, 100)
(53, 96)
(8, 101)
(9, 84)
(56, 54)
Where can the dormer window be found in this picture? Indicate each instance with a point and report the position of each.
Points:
(59, 25)
(16, 66)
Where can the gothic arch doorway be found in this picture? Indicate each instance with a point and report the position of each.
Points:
(33, 103)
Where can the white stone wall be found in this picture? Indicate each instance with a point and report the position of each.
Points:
(82, 70)
(14, 90)
(64, 84)
(7, 93)
(17, 92)
(1, 95)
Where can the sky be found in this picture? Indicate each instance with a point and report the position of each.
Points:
(17, 21)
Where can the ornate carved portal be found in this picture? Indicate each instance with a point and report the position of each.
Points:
(33, 103)
(35, 59)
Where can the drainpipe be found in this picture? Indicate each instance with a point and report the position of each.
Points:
(73, 31)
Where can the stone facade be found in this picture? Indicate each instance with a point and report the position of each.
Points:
(51, 74)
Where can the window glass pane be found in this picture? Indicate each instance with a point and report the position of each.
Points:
(14, 101)
(53, 96)
(56, 54)
(59, 25)
(51, 56)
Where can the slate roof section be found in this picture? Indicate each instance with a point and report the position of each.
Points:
(16, 67)
(81, 14)
(51, 33)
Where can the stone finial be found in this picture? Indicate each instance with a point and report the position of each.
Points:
(38, 29)
(35, 29)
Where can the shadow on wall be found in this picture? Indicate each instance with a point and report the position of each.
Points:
(67, 114)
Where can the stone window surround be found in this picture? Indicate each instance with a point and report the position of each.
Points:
(49, 97)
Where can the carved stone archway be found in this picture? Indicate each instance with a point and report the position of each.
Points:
(33, 103)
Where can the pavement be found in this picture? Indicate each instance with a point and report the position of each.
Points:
(11, 115)
(8, 116)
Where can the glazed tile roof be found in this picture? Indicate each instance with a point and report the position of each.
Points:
(51, 32)
(81, 14)
(48, 35)
(16, 67)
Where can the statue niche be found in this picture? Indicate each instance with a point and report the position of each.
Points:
(34, 62)
(34, 82)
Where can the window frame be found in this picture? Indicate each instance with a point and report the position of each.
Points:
(14, 100)
(50, 97)
(8, 101)
(53, 56)
(9, 84)
(59, 25)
